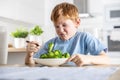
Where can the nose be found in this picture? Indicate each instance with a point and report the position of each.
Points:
(61, 29)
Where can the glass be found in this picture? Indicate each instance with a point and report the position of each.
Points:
(3, 45)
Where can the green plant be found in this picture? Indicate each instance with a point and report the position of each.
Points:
(20, 33)
(36, 30)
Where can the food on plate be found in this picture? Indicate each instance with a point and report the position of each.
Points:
(54, 53)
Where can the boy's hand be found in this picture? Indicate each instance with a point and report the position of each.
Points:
(79, 59)
(31, 48)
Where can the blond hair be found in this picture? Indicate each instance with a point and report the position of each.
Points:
(66, 10)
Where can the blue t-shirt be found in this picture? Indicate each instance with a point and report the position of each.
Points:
(81, 42)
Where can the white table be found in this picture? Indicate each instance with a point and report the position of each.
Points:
(65, 72)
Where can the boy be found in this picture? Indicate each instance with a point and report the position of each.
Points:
(66, 20)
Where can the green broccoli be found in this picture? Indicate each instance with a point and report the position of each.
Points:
(54, 53)
(50, 47)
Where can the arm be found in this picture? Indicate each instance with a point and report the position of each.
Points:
(102, 58)
(29, 58)
(79, 59)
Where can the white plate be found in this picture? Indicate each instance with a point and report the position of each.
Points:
(51, 61)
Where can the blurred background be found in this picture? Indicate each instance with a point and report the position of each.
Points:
(99, 17)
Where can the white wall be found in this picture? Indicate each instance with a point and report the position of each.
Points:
(11, 25)
(96, 7)
(16, 13)
(21, 13)
(23, 10)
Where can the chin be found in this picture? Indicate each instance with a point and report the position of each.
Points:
(65, 39)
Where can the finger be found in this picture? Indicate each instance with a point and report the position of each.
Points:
(30, 47)
(36, 43)
(71, 58)
(38, 47)
(31, 54)
(36, 50)
(78, 63)
(74, 60)
(33, 42)
(33, 45)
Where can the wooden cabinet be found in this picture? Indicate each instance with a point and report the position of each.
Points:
(16, 50)
(16, 56)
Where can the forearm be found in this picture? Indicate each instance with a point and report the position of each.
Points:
(101, 59)
(29, 59)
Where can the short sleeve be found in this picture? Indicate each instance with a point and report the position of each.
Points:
(94, 46)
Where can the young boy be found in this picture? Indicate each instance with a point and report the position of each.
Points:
(66, 20)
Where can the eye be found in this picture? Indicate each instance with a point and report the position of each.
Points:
(64, 25)
(56, 26)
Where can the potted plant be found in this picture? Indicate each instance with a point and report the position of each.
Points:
(19, 35)
(35, 34)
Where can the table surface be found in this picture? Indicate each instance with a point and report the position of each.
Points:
(114, 76)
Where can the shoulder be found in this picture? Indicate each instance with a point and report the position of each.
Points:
(84, 35)
(51, 40)
(87, 38)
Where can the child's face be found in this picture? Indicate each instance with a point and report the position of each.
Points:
(66, 28)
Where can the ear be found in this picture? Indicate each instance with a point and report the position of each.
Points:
(78, 22)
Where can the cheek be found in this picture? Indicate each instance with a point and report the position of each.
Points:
(57, 31)
(71, 29)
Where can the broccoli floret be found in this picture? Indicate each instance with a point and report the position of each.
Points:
(50, 47)
(55, 53)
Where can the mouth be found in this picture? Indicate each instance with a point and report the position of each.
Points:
(63, 36)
